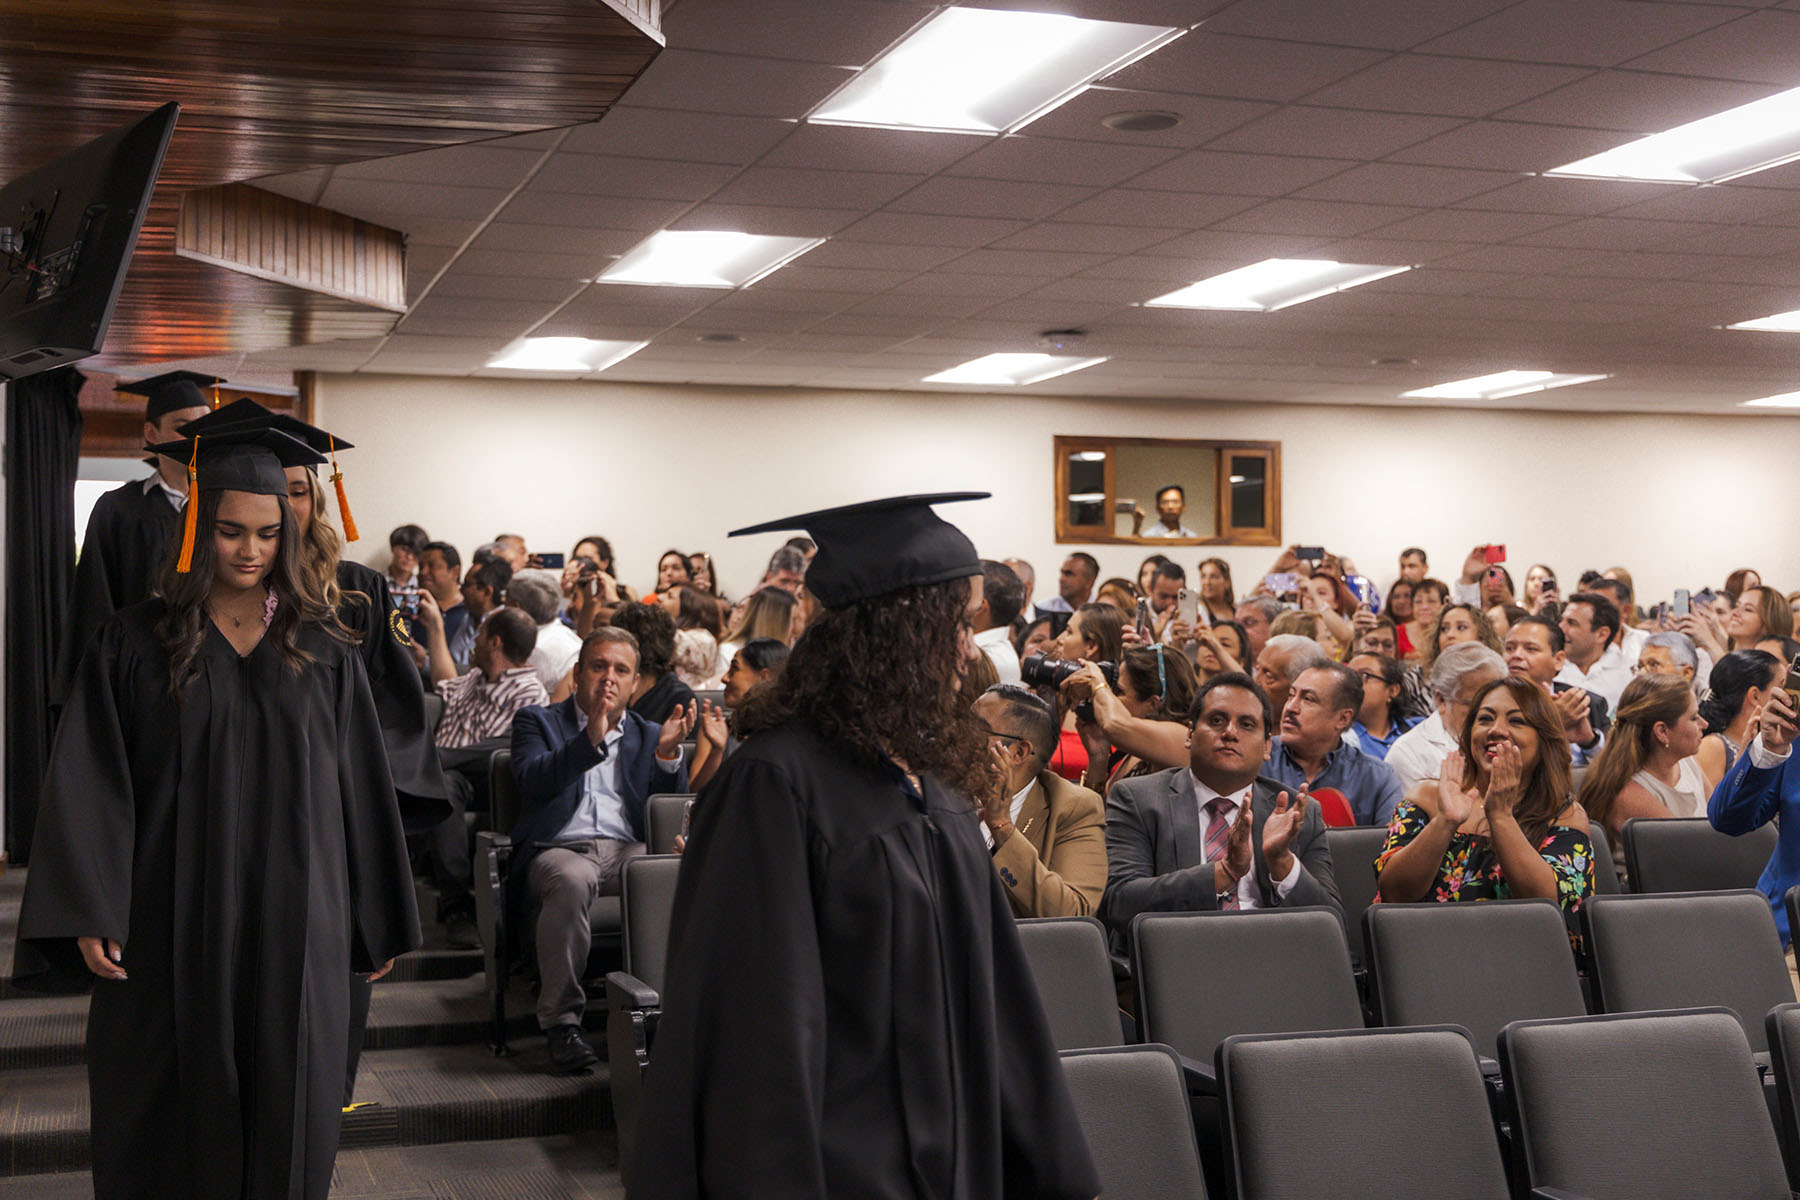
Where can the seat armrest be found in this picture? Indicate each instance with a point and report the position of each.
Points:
(625, 990)
(1490, 1069)
(1550, 1193)
(1199, 1077)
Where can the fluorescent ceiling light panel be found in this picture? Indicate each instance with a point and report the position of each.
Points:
(563, 355)
(1739, 141)
(1500, 385)
(1784, 400)
(1273, 283)
(977, 70)
(1787, 322)
(1012, 370)
(705, 258)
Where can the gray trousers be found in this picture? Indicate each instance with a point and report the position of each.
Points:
(565, 881)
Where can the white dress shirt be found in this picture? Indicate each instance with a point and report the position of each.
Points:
(1248, 896)
(1012, 814)
(176, 499)
(1607, 677)
(998, 647)
(602, 810)
(1419, 753)
(1764, 758)
(1159, 530)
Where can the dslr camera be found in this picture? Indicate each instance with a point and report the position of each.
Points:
(1036, 670)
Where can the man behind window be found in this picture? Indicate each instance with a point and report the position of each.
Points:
(1048, 835)
(1171, 503)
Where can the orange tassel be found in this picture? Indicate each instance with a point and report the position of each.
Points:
(190, 514)
(337, 480)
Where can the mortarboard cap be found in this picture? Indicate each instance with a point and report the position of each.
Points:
(246, 414)
(880, 546)
(170, 392)
(238, 460)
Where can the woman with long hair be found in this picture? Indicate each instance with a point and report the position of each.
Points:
(769, 612)
(1759, 614)
(698, 658)
(1739, 684)
(1536, 576)
(1147, 571)
(1143, 725)
(1220, 647)
(1741, 581)
(1398, 605)
(1095, 633)
(1647, 768)
(219, 847)
(1498, 822)
(1429, 596)
(671, 569)
(1458, 624)
(1216, 595)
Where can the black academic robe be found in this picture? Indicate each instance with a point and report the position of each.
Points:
(243, 844)
(129, 534)
(847, 1009)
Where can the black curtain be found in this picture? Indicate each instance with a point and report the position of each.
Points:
(43, 451)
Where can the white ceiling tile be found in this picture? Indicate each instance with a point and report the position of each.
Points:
(905, 229)
(1594, 33)
(1052, 160)
(847, 32)
(797, 188)
(880, 256)
(684, 136)
(748, 322)
(1754, 240)
(851, 148)
(772, 222)
(523, 287)
(1027, 262)
(1314, 218)
(1607, 233)
(539, 265)
(1757, 47)
(1470, 225)
(733, 83)
(1155, 210)
(937, 308)
(1520, 259)
(1577, 197)
(989, 198)
(759, 299)
(1378, 247)
(607, 212)
(949, 283)
(1452, 87)
(590, 244)
(1216, 250)
(640, 178)
(1635, 102)
(475, 165)
(1640, 265)
(1202, 117)
(1343, 132)
(1391, 26)
(1447, 281)
(459, 308)
(803, 276)
(1111, 239)
(1209, 64)
(1397, 183)
(893, 327)
(1508, 146)
(1239, 174)
(384, 200)
(1042, 311)
(1725, 204)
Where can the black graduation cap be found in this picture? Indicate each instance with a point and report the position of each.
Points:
(249, 459)
(169, 392)
(880, 546)
(247, 413)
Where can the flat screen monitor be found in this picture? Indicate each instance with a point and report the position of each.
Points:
(67, 231)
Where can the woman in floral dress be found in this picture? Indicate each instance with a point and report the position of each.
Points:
(1498, 822)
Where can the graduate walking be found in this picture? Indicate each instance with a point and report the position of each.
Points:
(847, 1010)
(219, 849)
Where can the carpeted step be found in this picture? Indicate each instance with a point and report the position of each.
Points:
(49, 1031)
(579, 1167)
(427, 1095)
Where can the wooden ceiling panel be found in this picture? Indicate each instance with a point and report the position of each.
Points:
(286, 85)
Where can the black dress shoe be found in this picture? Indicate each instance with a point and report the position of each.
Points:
(460, 933)
(569, 1051)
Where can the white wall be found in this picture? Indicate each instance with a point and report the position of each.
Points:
(1679, 500)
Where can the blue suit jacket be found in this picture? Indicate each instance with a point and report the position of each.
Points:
(1749, 797)
(550, 754)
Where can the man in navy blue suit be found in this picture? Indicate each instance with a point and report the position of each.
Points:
(585, 770)
(1759, 787)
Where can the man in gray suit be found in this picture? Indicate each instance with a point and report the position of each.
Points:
(1215, 835)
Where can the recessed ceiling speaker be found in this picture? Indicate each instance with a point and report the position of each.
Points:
(1141, 122)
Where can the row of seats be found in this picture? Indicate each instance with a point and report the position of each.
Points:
(1642, 1106)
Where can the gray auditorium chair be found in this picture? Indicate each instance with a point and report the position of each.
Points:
(493, 855)
(662, 821)
(1202, 977)
(634, 995)
(1074, 979)
(1134, 1114)
(1689, 855)
(1782, 1026)
(716, 695)
(1644, 1106)
(1606, 875)
(1687, 950)
(1353, 852)
(1396, 1113)
(1477, 966)
(434, 711)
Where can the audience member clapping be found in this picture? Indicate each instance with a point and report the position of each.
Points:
(1741, 683)
(1497, 823)
(657, 692)
(1312, 753)
(1453, 682)
(1648, 768)
(759, 661)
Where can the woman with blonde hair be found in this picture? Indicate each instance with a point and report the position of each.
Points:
(768, 612)
(1216, 595)
(1648, 768)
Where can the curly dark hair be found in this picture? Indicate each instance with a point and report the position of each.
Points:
(879, 678)
(654, 630)
(297, 588)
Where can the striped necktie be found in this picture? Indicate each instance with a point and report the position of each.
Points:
(1218, 834)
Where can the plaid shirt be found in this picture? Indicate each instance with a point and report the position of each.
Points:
(475, 710)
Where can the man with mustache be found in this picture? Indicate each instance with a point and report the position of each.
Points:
(1311, 751)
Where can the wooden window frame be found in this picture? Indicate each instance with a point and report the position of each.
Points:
(1224, 533)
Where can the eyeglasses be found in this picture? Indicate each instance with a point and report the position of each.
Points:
(1006, 737)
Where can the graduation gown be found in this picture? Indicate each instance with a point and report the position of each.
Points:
(847, 1010)
(128, 535)
(243, 844)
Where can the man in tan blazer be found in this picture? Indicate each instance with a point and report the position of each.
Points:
(1048, 835)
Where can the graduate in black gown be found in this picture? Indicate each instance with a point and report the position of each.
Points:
(847, 1010)
(365, 605)
(131, 527)
(220, 847)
